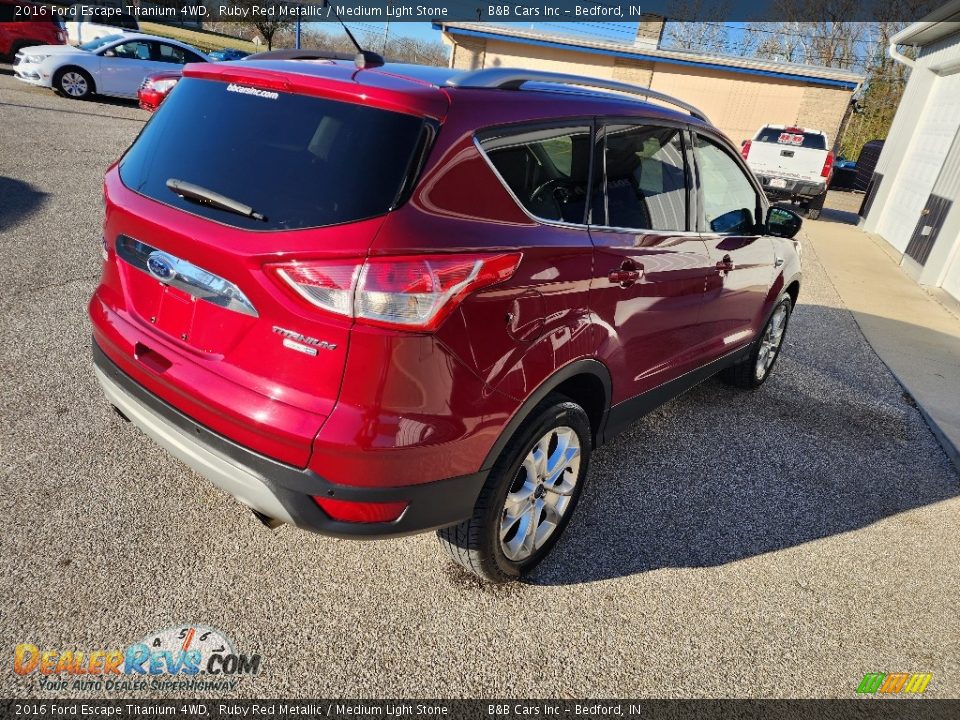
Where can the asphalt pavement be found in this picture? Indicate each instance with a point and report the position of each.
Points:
(777, 543)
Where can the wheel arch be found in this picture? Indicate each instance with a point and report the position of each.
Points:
(586, 382)
(60, 71)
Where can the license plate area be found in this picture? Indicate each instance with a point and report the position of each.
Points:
(778, 183)
(176, 311)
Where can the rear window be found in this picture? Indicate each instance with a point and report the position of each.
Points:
(786, 136)
(299, 161)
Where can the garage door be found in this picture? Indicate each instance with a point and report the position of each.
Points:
(915, 180)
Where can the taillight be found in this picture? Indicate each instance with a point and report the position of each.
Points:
(827, 165)
(360, 512)
(416, 292)
(745, 150)
(328, 286)
(163, 85)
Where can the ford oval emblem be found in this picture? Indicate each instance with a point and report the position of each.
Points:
(161, 266)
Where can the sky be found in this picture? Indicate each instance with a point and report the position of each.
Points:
(423, 30)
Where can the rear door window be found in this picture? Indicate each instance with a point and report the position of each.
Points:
(296, 160)
(645, 178)
(546, 169)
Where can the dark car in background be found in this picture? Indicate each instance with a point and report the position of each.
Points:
(227, 54)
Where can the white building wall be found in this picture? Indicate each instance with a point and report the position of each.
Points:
(920, 157)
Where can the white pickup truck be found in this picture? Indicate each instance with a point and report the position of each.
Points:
(791, 163)
(88, 21)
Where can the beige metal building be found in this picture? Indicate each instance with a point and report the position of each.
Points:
(739, 95)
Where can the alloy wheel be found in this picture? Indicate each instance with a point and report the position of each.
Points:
(770, 342)
(540, 494)
(74, 84)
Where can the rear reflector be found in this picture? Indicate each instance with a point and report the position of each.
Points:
(360, 512)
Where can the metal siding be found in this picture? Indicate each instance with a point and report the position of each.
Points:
(930, 141)
(943, 49)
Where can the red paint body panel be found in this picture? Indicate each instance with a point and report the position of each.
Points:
(385, 408)
(23, 32)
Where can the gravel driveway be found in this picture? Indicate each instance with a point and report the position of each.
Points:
(783, 542)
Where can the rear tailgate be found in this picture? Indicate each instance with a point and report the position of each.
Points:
(188, 304)
(795, 163)
(782, 154)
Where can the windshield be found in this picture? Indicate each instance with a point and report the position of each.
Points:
(298, 161)
(99, 42)
(792, 136)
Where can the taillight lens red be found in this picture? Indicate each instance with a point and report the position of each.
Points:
(827, 165)
(745, 150)
(413, 292)
(360, 512)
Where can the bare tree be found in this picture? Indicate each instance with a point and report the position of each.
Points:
(399, 49)
(697, 25)
(269, 17)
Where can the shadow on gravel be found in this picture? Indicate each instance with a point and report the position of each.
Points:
(18, 201)
(829, 445)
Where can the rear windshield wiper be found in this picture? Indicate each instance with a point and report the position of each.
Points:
(195, 193)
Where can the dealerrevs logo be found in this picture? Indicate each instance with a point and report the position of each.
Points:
(190, 657)
(244, 90)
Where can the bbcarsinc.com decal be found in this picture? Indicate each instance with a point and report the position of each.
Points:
(186, 658)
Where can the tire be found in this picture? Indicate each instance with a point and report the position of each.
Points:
(815, 205)
(747, 374)
(73, 83)
(490, 545)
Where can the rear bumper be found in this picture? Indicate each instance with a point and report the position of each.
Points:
(792, 187)
(275, 489)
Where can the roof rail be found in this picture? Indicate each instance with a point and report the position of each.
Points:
(512, 79)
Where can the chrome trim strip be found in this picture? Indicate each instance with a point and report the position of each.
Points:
(183, 275)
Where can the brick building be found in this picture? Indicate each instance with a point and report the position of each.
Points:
(739, 95)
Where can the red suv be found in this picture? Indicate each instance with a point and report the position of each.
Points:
(382, 300)
(24, 24)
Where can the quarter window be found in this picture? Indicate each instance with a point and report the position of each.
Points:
(645, 180)
(729, 200)
(546, 169)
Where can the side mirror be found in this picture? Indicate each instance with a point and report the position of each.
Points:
(783, 223)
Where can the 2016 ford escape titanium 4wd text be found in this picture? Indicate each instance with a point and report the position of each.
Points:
(373, 302)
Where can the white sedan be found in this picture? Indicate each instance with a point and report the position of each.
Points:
(111, 65)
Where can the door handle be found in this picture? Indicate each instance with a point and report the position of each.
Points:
(627, 275)
(726, 265)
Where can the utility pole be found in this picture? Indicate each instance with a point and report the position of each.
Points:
(386, 31)
(298, 27)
